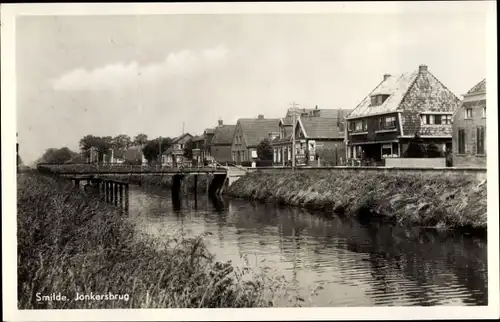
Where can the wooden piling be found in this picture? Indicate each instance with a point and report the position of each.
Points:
(121, 195)
(115, 200)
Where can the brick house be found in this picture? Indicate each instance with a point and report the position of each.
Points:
(319, 136)
(175, 154)
(248, 133)
(400, 107)
(221, 143)
(469, 129)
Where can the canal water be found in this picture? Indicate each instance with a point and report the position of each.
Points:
(326, 262)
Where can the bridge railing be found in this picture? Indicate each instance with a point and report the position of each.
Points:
(119, 168)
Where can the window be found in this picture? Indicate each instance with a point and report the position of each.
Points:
(390, 122)
(351, 126)
(438, 119)
(359, 126)
(365, 125)
(461, 141)
(480, 139)
(386, 150)
(468, 113)
(378, 99)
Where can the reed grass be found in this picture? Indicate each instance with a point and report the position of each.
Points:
(431, 200)
(70, 242)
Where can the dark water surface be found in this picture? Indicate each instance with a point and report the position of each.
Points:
(346, 262)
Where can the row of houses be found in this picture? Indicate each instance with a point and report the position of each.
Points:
(379, 128)
(399, 108)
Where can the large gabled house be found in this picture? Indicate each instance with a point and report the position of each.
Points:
(221, 144)
(400, 107)
(469, 129)
(247, 136)
(319, 137)
(175, 154)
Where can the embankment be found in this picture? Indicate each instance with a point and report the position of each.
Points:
(430, 200)
(70, 242)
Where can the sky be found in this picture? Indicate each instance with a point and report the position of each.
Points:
(110, 75)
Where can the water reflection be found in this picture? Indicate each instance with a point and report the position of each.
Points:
(355, 264)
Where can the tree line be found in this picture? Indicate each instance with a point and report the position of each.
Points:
(151, 149)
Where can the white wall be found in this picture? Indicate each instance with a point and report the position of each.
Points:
(415, 162)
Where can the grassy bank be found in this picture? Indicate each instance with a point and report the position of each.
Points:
(431, 200)
(72, 243)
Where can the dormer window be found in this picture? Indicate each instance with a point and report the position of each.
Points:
(378, 99)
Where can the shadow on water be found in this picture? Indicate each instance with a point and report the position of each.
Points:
(357, 263)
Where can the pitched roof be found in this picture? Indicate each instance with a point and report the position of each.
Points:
(198, 138)
(286, 121)
(321, 127)
(478, 88)
(256, 130)
(395, 86)
(409, 93)
(223, 134)
(181, 137)
(167, 151)
(209, 131)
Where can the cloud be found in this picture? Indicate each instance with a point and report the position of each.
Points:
(120, 75)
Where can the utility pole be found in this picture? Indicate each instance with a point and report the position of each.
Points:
(294, 122)
(159, 150)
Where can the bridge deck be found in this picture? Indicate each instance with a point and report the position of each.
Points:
(83, 169)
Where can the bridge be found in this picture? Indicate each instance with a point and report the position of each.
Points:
(114, 177)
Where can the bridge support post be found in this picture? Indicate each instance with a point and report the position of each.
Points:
(216, 184)
(121, 195)
(76, 183)
(176, 185)
(126, 198)
(195, 184)
(115, 193)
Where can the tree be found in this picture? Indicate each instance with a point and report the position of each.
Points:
(53, 155)
(265, 150)
(140, 139)
(101, 144)
(416, 148)
(188, 149)
(122, 141)
(151, 148)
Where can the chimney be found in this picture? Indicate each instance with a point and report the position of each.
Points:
(386, 76)
(260, 117)
(220, 122)
(422, 69)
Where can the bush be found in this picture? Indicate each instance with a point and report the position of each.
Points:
(246, 163)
